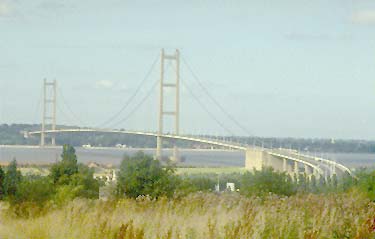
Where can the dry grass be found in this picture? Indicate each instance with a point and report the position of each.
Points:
(203, 216)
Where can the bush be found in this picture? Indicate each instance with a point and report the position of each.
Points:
(38, 191)
(200, 183)
(142, 175)
(89, 187)
(61, 171)
(32, 196)
(11, 179)
(2, 176)
(366, 182)
(267, 181)
(73, 179)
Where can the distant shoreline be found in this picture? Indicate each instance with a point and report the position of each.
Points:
(112, 148)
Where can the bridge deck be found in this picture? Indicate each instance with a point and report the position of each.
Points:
(313, 162)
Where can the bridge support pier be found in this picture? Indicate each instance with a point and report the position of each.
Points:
(308, 170)
(258, 158)
(175, 155)
(296, 169)
(254, 159)
(284, 165)
(159, 142)
(333, 170)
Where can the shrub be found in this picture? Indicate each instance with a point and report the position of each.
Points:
(142, 175)
(32, 196)
(2, 176)
(61, 171)
(11, 179)
(73, 179)
(267, 181)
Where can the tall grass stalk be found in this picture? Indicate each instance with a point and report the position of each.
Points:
(347, 215)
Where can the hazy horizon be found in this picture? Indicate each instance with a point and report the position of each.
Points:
(282, 69)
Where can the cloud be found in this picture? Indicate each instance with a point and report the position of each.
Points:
(104, 84)
(364, 17)
(4, 8)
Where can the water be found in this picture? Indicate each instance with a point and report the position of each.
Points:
(351, 160)
(33, 155)
(204, 158)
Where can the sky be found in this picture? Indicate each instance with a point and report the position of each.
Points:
(292, 68)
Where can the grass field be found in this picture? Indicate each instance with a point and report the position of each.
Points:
(211, 216)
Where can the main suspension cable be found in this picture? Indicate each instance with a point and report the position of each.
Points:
(149, 93)
(238, 124)
(68, 108)
(206, 109)
(131, 98)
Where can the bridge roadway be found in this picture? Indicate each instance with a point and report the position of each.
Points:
(327, 166)
(310, 161)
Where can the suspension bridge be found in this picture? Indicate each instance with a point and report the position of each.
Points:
(289, 161)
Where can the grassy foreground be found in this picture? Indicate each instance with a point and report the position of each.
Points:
(347, 215)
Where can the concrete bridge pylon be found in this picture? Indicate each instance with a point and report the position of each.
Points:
(254, 159)
(257, 158)
(49, 110)
(175, 113)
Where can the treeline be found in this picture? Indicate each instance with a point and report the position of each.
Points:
(12, 135)
(32, 194)
(141, 175)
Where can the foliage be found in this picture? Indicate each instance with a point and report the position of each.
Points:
(32, 196)
(66, 181)
(142, 175)
(73, 179)
(37, 190)
(199, 183)
(267, 181)
(10, 134)
(84, 182)
(2, 176)
(366, 182)
(11, 180)
(207, 181)
(61, 171)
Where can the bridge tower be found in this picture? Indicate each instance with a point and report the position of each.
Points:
(49, 110)
(173, 58)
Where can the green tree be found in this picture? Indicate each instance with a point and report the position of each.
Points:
(73, 179)
(366, 182)
(142, 175)
(61, 171)
(267, 181)
(2, 176)
(36, 190)
(201, 183)
(84, 183)
(32, 196)
(11, 180)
